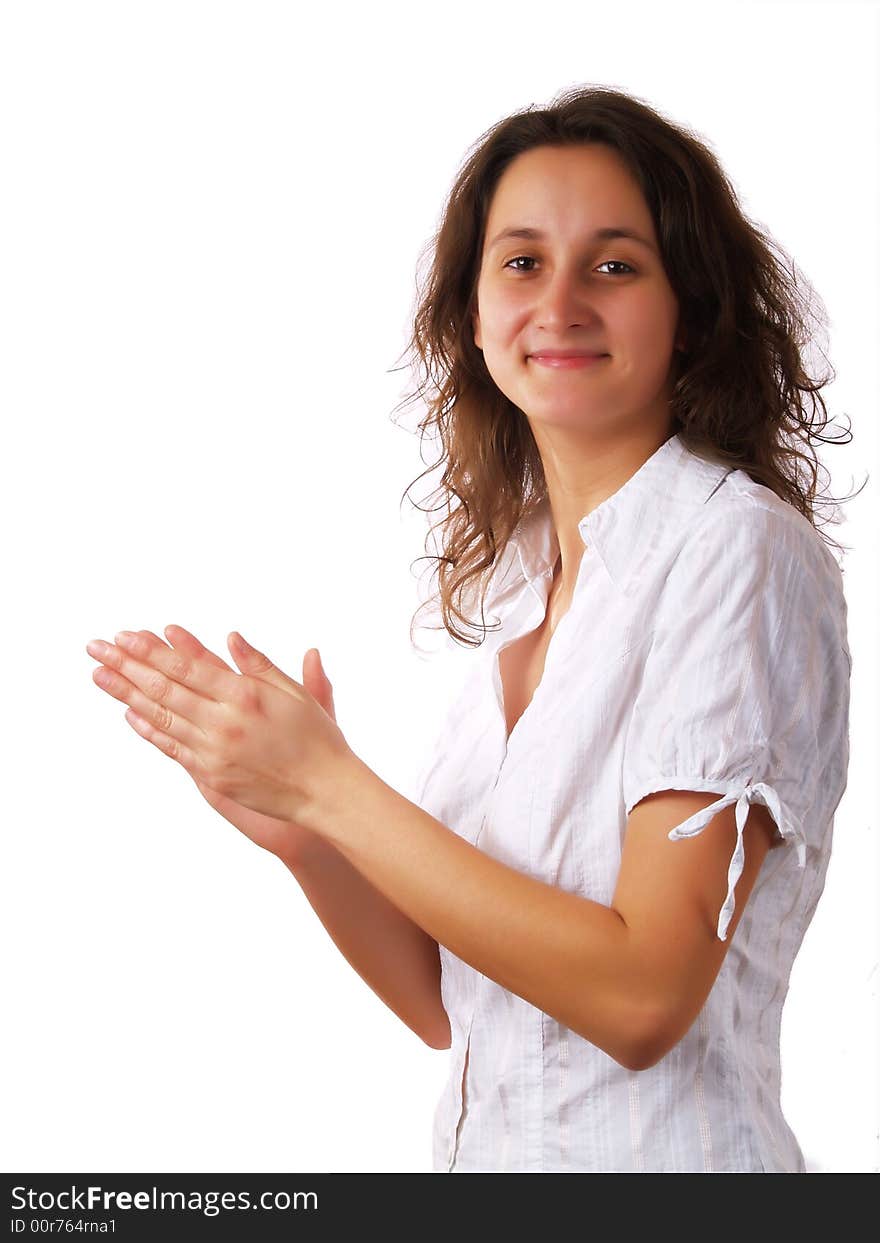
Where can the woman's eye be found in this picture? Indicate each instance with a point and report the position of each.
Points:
(617, 263)
(516, 259)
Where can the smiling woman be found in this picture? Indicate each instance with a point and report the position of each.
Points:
(597, 225)
(611, 354)
(649, 756)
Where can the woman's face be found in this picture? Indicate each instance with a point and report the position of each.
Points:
(569, 289)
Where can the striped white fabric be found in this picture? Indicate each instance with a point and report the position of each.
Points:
(705, 649)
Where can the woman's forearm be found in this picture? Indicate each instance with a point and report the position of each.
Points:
(397, 958)
(569, 956)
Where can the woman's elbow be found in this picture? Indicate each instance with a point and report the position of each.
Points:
(439, 1044)
(656, 1041)
(640, 1041)
(441, 1036)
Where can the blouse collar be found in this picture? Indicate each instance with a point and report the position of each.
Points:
(629, 527)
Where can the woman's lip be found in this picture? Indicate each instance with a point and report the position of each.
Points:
(578, 360)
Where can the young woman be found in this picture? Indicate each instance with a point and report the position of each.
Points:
(621, 836)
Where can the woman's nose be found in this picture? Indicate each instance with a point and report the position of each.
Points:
(564, 302)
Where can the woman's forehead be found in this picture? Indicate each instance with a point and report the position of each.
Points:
(563, 188)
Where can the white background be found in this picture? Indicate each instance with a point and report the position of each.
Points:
(210, 224)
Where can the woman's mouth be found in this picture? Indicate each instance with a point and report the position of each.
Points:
(568, 360)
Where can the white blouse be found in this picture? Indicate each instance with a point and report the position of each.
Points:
(705, 648)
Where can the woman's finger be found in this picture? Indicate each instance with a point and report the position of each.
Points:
(151, 634)
(175, 701)
(171, 747)
(190, 670)
(157, 715)
(182, 641)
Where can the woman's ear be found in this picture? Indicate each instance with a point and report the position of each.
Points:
(475, 323)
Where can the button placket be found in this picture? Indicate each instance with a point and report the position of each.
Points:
(456, 1130)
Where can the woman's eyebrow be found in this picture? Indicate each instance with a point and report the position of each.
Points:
(609, 233)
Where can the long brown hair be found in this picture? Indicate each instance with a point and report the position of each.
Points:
(742, 384)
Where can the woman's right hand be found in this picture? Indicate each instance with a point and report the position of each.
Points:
(289, 841)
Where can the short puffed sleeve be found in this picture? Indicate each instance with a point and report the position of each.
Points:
(745, 682)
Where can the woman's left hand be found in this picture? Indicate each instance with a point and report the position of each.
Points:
(258, 737)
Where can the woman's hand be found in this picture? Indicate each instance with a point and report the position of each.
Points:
(258, 739)
(290, 841)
